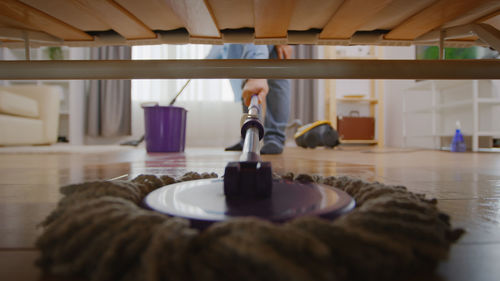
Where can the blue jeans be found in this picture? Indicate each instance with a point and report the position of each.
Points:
(277, 108)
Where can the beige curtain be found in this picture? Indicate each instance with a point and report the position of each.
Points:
(109, 101)
(304, 92)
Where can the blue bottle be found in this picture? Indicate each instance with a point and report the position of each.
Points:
(458, 143)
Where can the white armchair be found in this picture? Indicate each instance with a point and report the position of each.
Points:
(29, 114)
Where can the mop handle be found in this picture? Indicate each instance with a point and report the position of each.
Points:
(251, 151)
(178, 93)
(253, 108)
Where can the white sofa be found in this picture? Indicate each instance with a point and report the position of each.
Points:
(29, 114)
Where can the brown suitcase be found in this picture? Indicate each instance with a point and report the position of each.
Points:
(355, 127)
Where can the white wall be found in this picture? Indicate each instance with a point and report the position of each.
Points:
(393, 98)
(495, 115)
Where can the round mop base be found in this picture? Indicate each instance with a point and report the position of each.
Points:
(203, 202)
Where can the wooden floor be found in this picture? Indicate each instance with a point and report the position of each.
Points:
(466, 184)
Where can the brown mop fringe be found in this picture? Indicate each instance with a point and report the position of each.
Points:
(99, 231)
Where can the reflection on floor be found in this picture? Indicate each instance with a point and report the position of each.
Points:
(466, 184)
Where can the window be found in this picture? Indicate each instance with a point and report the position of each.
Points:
(163, 90)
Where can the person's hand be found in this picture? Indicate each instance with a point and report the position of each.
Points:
(284, 51)
(257, 87)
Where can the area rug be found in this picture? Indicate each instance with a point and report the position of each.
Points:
(63, 148)
(99, 231)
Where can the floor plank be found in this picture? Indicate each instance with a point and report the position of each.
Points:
(472, 262)
(19, 223)
(18, 265)
(479, 217)
(466, 184)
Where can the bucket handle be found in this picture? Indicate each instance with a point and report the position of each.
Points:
(354, 113)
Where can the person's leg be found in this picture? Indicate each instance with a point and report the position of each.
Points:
(276, 119)
(277, 113)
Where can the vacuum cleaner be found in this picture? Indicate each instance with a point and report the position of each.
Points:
(248, 189)
(319, 133)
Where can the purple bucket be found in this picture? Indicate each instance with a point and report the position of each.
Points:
(165, 128)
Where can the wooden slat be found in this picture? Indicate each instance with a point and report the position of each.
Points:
(10, 41)
(232, 14)
(350, 16)
(494, 21)
(309, 14)
(117, 17)
(488, 34)
(467, 38)
(41, 21)
(489, 17)
(70, 13)
(476, 14)
(196, 16)
(250, 68)
(272, 18)
(154, 13)
(9, 22)
(9, 34)
(395, 13)
(430, 18)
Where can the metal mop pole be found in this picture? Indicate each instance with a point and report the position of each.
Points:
(250, 177)
(251, 143)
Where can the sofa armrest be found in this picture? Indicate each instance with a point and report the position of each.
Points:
(48, 99)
